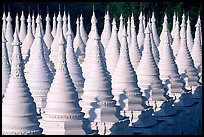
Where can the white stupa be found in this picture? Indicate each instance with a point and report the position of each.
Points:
(189, 35)
(19, 115)
(89, 48)
(23, 31)
(184, 61)
(64, 25)
(33, 24)
(196, 52)
(141, 35)
(106, 33)
(48, 38)
(41, 25)
(165, 23)
(113, 49)
(134, 51)
(129, 32)
(155, 51)
(97, 100)
(147, 70)
(62, 115)
(120, 28)
(31, 55)
(17, 23)
(176, 42)
(9, 36)
(54, 25)
(55, 43)
(79, 46)
(124, 87)
(169, 71)
(173, 25)
(154, 30)
(83, 33)
(28, 41)
(39, 77)
(4, 23)
(6, 67)
(73, 66)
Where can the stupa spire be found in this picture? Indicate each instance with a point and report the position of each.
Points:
(140, 35)
(48, 37)
(83, 33)
(23, 32)
(9, 36)
(120, 28)
(74, 68)
(189, 35)
(113, 49)
(54, 26)
(106, 33)
(4, 22)
(28, 41)
(64, 27)
(134, 51)
(154, 30)
(33, 24)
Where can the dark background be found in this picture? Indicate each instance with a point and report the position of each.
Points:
(191, 8)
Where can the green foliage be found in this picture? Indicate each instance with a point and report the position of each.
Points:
(127, 8)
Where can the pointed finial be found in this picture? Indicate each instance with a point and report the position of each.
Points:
(147, 30)
(16, 40)
(124, 31)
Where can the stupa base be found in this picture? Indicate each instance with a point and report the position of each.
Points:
(71, 127)
(112, 128)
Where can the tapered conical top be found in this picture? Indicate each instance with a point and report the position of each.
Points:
(28, 41)
(9, 36)
(23, 32)
(74, 68)
(48, 37)
(176, 42)
(120, 28)
(83, 33)
(79, 46)
(140, 35)
(4, 22)
(54, 26)
(154, 30)
(189, 35)
(113, 49)
(135, 54)
(106, 33)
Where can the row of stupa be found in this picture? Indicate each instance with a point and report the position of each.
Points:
(117, 83)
